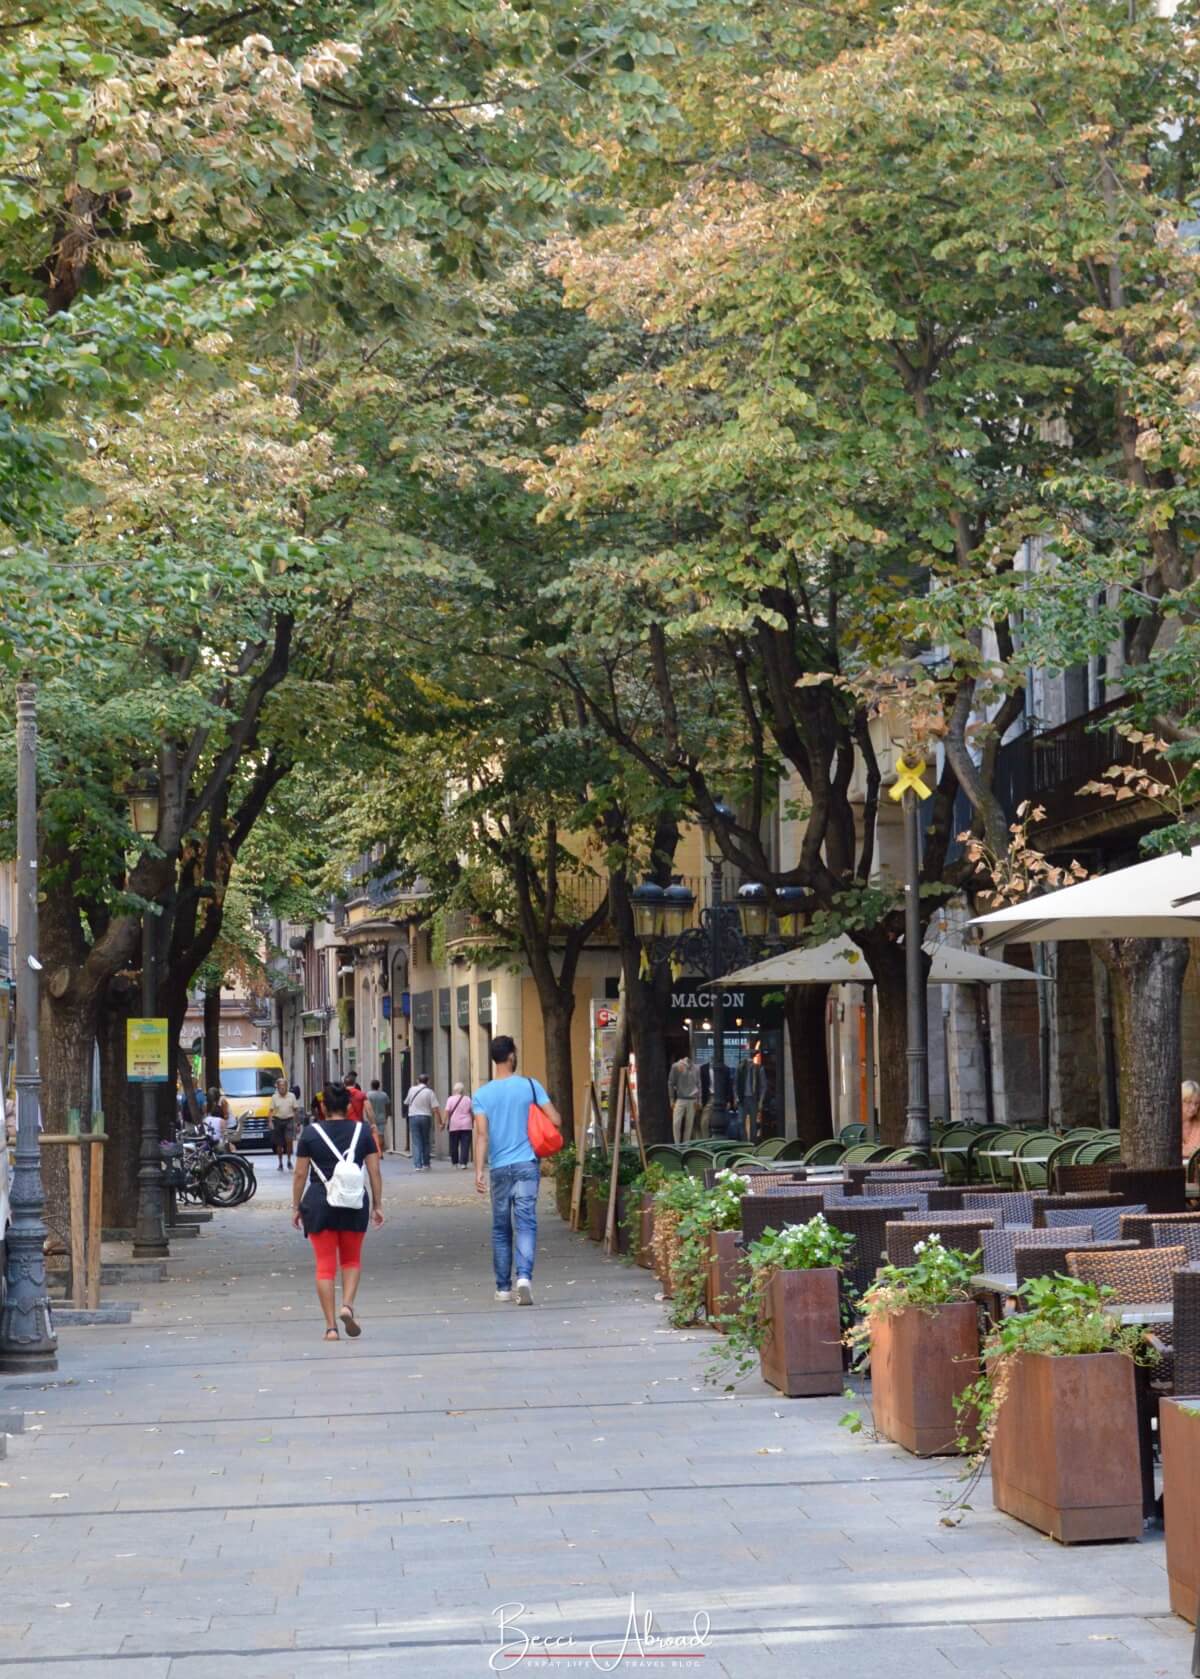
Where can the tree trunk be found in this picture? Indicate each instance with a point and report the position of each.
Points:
(212, 1036)
(557, 1014)
(122, 1118)
(68, 1034)
(1147, 984)
(808, 1049)
(647, 1002)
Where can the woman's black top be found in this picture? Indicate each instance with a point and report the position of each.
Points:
(315, 1212)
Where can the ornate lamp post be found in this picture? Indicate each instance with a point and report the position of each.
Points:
(27, 1340)
(150, 1236)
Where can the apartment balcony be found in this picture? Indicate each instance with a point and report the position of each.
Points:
(579, 898)
(1048, 770)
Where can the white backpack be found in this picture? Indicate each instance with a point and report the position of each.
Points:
(347, 1186)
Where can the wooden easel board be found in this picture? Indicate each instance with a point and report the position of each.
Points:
(610, 1221)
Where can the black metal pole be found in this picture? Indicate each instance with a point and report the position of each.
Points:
(150, 1236)
(720, 1087)
(916, 1114)
(27, 1340)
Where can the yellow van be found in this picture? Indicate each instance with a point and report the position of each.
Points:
(248, 1084)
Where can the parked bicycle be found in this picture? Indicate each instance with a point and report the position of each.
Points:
(209, 1175)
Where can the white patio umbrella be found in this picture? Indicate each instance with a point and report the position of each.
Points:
(1158, 899)
(841, 961)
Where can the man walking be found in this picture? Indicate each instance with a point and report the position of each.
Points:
(381, 1106)
(284, 1108)
(683, 1089)
(421, 1105)
(502, 1142)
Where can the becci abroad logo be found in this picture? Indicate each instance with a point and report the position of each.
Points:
(637, 1643)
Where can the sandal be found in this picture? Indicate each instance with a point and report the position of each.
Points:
(353, 1327)
(331, 1335)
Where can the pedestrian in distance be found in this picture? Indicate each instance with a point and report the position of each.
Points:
(501, 1109)
(336, 1160)
(284, 1109)
(421, 1105)
(357, 1095)
(458, 1120)
(218, 1120)
(381, 1106)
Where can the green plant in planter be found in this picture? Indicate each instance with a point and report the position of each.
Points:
(797, 1247)
(1063, 1318)
(679, 1196)
(719, 1208)
(647, 1181)
(939, 1277)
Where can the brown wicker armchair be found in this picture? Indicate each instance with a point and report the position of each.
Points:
(1078, 1180)
(1185, 1333)
(947, 1200)
(1162, 1189)
(1169, 1234)
(1141, 1274)
(758, 1181)
(1140, 1226)
(774, 1209)
(868, 1225)
(900, 1240)
(1088, 1198)
(1051, 1259)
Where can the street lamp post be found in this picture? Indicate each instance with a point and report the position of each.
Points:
(150, 1236)
(27, 1339)
(916, 1113)
(719, 1071)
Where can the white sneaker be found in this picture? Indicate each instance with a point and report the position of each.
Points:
(524, 1292)
(504, 1294)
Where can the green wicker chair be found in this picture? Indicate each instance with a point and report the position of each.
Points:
(856, 1133)
(827, 1153)
(906, 1156)
(771, 1148)
(1031, 1157)
(983, 1137)
(952, 1149)
(858, 1154)
(793, 1149)
(665, 1155)
(995, 1155)
(1100, 1151)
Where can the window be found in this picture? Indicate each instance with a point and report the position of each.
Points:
(248, 1081)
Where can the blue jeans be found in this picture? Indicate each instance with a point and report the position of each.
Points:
(514, 1208)
(419, 1129)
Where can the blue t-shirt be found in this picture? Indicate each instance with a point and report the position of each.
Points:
(506, 1104)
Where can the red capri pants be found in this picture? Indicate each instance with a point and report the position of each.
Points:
(330, 1246)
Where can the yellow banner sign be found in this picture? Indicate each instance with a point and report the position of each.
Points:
(147, 1051)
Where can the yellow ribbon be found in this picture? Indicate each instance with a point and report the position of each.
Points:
(644, 966)
(909, 775)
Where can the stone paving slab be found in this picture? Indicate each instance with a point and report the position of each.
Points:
(245, 1501)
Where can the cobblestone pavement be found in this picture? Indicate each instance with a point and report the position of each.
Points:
(214, 1493)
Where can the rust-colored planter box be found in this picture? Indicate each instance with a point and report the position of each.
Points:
(920, 1363)
(645, 1250)
(727, 1270)
(1065, 1453)
(597, 1210)
(1179, 1433)
(801, 1354)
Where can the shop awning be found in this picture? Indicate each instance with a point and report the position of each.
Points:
(841, 962)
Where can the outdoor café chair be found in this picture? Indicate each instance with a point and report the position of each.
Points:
(901, 1240)
(1140, 1226)
(1105, 1221)
(1015, 1206)
(1170, 1235)
(999, 1245)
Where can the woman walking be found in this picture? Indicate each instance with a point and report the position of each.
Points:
(330, 1202)
(457, 1119)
